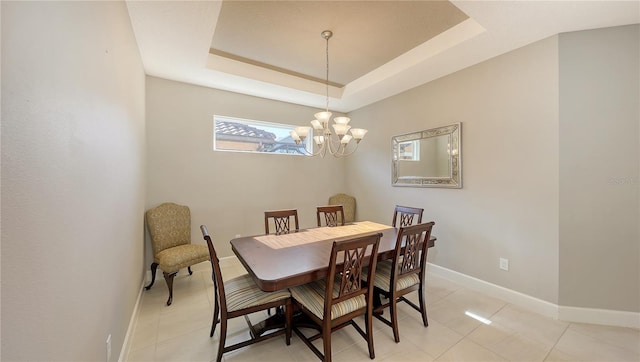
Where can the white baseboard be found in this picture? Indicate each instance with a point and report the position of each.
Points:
(126, 344)
(511, 296)
(600, 316)
(565, 313)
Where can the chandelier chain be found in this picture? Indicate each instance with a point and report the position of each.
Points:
(327, 82)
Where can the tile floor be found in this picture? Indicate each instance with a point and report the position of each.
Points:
(181, 332)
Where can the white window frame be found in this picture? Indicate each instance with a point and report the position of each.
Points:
(257, 124)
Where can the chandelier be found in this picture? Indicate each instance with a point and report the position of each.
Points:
(338, 145)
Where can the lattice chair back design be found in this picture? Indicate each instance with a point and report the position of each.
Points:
(169, 226)
(241, 296)
(281, 220)
(334, 302)
(333, 215)
(405, 273)
(348, 204)
(407, 215)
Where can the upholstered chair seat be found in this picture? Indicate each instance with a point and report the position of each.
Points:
(382, 277)
(242, 292)
(312, 296)
(179, 257)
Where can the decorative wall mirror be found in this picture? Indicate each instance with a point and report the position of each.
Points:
(429, 158)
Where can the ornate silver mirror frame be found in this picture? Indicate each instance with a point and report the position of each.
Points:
(429, 158)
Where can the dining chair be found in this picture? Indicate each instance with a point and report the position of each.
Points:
(348, 203)
(241, 296)
(169, 227)
(403, 274)
(407, 215)
(281, 220)
(333, 215)
(334, 302)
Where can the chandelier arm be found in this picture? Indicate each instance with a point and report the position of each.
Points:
(343, 154)
(322, 150)
(305, 151)
(330, 142)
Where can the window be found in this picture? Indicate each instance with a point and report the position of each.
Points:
(409, 151)
(244, 135)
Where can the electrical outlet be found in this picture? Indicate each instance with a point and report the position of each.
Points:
(504, 264)
(108, 348)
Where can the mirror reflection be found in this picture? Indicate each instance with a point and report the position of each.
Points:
(429, 158)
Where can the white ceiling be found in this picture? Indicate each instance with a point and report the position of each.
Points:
(273, 49)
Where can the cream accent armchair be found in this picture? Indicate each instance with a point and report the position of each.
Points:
(169, 225)
(348, 205)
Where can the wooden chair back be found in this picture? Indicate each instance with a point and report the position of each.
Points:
(281, 220)
(410, 254)
(348, 257)
(407, 215)
(333, 215)
(352, 296)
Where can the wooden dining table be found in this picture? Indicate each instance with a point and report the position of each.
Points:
(298, 257)
(282, 261)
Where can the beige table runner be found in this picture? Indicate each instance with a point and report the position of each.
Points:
(319, 234)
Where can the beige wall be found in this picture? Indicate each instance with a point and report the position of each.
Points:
(550, 168)
(599, 173)
(508, 206)
(73, 181)
(228, 191)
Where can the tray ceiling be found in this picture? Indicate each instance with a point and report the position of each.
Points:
(273, 49)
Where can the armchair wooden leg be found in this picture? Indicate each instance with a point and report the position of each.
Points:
(154, 267)
(168, 277)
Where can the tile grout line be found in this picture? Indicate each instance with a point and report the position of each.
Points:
(558, 340)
